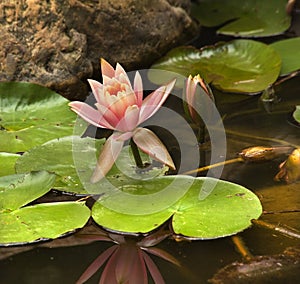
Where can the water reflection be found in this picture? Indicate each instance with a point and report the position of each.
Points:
(128, 260)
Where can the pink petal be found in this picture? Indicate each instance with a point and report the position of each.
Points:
(107, 69)
(155, 100)
(108, 274)
(123, 101)
(130, 119)
(162, 254)
(154, 271)
(119, 70)
(190, 90)
(108, 156)
(140, 275)
(124, 136)
(108, 115)
(128, 255)
(90, 114)
(97, 89)
(138, 88)
(149, 143)
(96, 264)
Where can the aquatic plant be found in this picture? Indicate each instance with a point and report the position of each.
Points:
(121, 108)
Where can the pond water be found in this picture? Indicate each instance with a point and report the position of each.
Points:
(247, 123)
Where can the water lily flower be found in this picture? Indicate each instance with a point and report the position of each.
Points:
(290, 169)
(195, 102)
(120, 107)
(127, 261)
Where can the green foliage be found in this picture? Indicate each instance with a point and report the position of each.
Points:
(7, 164)
(19, 224)
(289, 51)
(296, 114)
(227, 210)
(255, 18)
(30, 115)
(73, 160)
(245, 66)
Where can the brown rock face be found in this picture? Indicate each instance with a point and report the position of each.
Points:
(58, 43)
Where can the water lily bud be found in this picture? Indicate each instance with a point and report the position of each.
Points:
(196, 103)
(262, 153)
(290, 169)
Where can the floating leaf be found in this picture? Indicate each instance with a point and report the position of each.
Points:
(57, 156)
(7, 163)
(227, 210)
(19, 190)
(289, 51)
(256, 18)
(296, 114)
(71, 156)
(42, 221)
(20, 224)
(30, 115)
(246, 66)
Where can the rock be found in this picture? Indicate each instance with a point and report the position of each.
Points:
(58, 43)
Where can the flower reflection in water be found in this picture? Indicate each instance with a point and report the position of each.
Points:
(127, 260)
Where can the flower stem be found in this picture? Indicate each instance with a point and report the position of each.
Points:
(136, 155)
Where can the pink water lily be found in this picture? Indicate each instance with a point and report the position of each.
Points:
(193, 98)
(121, 108)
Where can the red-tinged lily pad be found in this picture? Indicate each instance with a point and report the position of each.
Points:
(227, 210)
(244, 66)
(255, 18)
(30, 115)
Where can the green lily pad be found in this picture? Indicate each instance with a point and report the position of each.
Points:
(256, 18)
(7, 163)
(296, 114)
(30, 115)
(245, 66)
(41, 222)
(28, 224)
(56, 156)
(73, 160)
(227, 210)
(20, 189)
(289, 51)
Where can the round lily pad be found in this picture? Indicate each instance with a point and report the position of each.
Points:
(7, 163)
(42, 221)
(289, 51)
(73, 160)
(296, 114)
(20, 225)
(20, 189)
(244, 66)
(30, 115)
(227, 210)
(255, 18)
